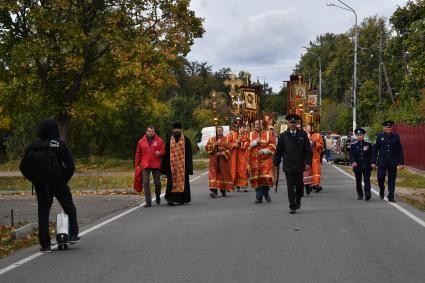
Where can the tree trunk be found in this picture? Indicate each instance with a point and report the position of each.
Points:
(64, 121)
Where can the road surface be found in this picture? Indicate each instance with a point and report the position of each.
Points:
(333, 238)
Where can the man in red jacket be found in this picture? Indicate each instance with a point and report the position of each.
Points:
(149, 151)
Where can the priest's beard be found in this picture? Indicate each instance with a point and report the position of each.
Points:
(177, 136)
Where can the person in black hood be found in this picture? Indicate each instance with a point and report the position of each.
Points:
(52, 186)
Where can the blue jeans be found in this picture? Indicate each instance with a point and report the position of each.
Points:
(262, 191)
(328, 154)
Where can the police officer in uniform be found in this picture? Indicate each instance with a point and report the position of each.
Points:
(360, 157)
(387, 154)
(294, 149)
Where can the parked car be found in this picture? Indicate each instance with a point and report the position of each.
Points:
(341, 153)
(209, 132)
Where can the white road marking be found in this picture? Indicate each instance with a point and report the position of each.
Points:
(406, 212)
(85, 232)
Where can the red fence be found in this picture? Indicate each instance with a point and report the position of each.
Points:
(413, 142)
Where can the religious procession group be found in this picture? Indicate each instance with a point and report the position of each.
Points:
(255, 155)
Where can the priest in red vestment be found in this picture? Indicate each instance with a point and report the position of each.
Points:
(219, 150)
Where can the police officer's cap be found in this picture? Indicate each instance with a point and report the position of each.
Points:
(388, 124)
(293, 118)
(177, 125)
(360, 131)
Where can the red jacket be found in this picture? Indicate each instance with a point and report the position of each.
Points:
(145, 153)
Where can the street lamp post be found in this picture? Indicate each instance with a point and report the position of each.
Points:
(320, 77)
(348, 8)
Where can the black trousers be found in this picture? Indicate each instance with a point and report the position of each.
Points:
(45, 194)
(362, 173)
(392, 175)
(295, 184)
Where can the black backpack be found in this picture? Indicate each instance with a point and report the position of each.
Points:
(40, 163)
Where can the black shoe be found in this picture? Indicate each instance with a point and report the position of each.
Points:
(148, 204)
(307, 189)
(368, 196)
(381, 194)
(47, 249)
(268, 198)
(320, 188)
(223, 193)
(158, 200)
(74, 239)
(259, 200)
(298, 204)
(245, 191)
(292, 211)
(316, 188)
(170, 203)
(360, 197)
(391, 200)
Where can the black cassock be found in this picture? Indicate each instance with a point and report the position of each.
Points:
(183, 197)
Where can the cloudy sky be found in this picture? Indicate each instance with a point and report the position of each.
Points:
(265, 37)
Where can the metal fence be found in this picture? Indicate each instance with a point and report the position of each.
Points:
(413, 142)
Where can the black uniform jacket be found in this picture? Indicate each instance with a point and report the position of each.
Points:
(295, 151)
(387, 150)
(361, 153)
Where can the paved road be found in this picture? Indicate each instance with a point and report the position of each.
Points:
(334, 238)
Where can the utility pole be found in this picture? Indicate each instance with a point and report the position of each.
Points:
(356, 32)
(380, 65)
(390, 91)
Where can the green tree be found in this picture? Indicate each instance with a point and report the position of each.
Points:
(74, 59)
(367, 102)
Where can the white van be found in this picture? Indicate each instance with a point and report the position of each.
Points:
(209, 132)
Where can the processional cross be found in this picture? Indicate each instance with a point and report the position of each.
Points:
(233, 82)
(215, 102)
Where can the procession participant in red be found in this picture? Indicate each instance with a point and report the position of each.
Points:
(150, 150)
(262, 148)
(219, 150)
(317, 144)
(239, 142)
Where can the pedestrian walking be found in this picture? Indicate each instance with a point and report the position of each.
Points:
(329, 146)
(316, 143)
(150, 150)
(49, 165)
(387, 155)
(294, 150)
(262, 147)
(361, 158)
(219, 175)
(178, 165)
(239, 141)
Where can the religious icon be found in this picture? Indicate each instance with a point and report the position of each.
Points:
(250, 101)
(300, 91)
(312, 101)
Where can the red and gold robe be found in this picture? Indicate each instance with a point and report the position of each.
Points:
(239, 160)
(219, 165)
(317, 147)
(261, 165)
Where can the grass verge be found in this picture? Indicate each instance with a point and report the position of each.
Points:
(93, 163)
(77, 182)
(8, 244)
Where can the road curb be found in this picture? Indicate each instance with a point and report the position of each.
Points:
(23, 231)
